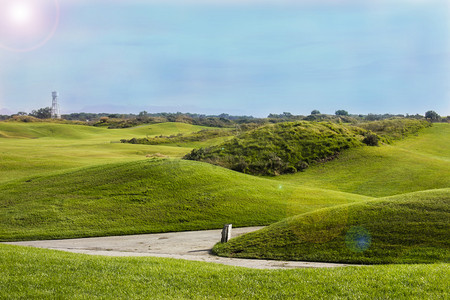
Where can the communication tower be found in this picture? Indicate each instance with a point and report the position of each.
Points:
(55, 107)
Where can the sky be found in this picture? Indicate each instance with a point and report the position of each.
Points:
(247, 57)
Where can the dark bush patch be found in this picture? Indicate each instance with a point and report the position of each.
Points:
(371, 140)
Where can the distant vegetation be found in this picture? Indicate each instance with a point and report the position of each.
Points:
(291, 147)
(280, 148)
(395, 129)
(116, 120)
(202, 135)
(409, 228)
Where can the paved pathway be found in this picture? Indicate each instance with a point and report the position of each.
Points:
(190, 245)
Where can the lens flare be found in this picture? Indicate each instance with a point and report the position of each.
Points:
(27, 24)
(358, 239)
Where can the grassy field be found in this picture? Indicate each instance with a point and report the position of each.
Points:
(29, 273)
(410, 228)
(60, 180)
(154, 195)
(28, 149)
(416, 163)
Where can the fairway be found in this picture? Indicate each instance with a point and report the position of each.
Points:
(28, 149)
(70, 181)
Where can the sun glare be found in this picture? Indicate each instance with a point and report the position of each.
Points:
(27, 24)
(20, 13)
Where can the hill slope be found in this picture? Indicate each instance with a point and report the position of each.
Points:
(149, 196)
(69, 131)
(420, 162)
(39, 148)
(281, 148)
(410, 228)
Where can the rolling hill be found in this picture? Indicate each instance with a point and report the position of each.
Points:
(28, 149)
(62, 181)
(419, 162)
(409, 228)
(153, 195)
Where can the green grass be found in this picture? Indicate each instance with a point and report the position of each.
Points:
(154, 195)
(416, 163)
(42, 148)
(431, 142)
(29, 273)
(410, 228)
(68, 131)
(396, 128)
(61, 180)
(281, 148)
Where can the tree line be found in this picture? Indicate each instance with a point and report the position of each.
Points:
(115, 120)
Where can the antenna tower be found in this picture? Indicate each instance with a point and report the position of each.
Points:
(55, 107)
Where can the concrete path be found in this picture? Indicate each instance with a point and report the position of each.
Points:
(190, 245)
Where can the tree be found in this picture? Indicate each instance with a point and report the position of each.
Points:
(315, 112)
(341, 112)
(42, 113)
(432, 116)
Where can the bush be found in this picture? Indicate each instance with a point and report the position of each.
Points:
(394, 129)
(432, 116)
(341, 112)
(371, 140)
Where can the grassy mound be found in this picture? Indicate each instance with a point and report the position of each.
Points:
(410, 228)
(29, 273)
(281, 148)
(70, 131)
(42, 148)
(413, 164)
(153, 195)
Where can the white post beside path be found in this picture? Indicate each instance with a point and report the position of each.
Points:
(226, 233)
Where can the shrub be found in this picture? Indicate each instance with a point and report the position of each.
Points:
(371, 140)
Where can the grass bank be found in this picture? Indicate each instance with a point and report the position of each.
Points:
(281, 148)
(154, 195)
(410, 228)
(419, 162)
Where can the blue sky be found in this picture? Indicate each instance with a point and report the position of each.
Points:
(251, 57)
